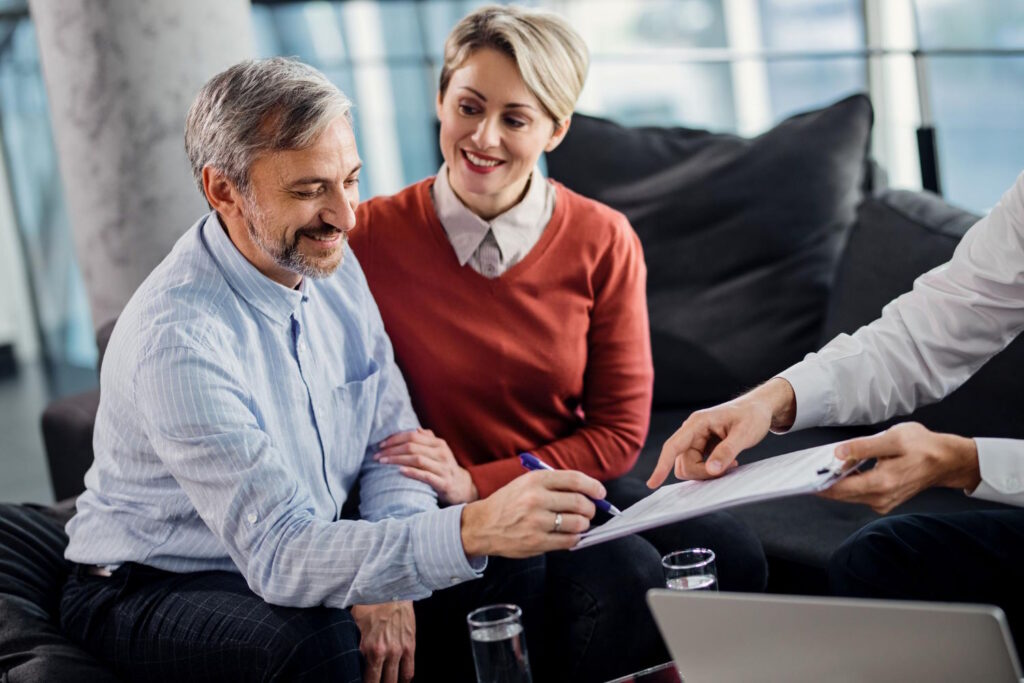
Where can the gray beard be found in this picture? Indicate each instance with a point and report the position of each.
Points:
(286, 254)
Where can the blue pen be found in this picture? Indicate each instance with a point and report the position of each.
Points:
(532, 463)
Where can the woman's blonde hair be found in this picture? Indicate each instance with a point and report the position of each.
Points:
(550, 55)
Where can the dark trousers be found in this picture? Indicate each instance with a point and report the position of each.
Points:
(152, 625)
(584, 613)
(956, 557)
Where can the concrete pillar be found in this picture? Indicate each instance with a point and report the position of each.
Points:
(120, 76)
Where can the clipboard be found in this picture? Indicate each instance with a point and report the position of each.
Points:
(807, 471)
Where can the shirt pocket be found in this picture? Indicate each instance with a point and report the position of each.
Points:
(355, 410)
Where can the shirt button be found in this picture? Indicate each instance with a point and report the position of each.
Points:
(455, 580)
(302, 346)
(252, 517)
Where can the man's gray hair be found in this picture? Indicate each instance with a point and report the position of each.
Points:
(255, 107)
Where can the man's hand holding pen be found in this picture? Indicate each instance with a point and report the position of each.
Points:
(534, 513)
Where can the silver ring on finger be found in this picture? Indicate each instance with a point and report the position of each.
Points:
(558, 523)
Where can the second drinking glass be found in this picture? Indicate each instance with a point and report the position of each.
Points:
(692, 569)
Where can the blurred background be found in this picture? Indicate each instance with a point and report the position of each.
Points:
(726, 65)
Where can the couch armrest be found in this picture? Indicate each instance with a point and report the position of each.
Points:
(67, 432)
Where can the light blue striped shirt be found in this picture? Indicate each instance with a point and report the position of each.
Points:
(235, 416)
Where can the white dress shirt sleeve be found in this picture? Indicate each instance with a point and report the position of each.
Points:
(929, 341)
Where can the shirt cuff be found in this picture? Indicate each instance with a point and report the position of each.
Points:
(1001, 462)
(813, 391)
(440, 559)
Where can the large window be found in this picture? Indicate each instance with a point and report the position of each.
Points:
(976, 80)
(728, 65)
(698, 63)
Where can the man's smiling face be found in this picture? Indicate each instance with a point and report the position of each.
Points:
(300, 206)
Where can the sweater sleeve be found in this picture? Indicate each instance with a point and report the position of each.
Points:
(618, 381)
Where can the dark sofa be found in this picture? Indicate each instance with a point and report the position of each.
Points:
(758, 251)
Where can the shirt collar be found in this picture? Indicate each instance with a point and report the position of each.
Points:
(271, 298)
(466, 230)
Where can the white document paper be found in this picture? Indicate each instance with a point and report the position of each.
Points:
(807, 471)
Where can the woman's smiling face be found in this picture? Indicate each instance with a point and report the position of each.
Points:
(493, 130)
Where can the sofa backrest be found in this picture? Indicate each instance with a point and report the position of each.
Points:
(741, 236)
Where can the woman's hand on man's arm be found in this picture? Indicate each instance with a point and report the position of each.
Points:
(424, 457)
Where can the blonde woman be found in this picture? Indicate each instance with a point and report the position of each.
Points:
(518, 315)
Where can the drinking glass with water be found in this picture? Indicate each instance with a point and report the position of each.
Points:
(499, 644)
(692, 569)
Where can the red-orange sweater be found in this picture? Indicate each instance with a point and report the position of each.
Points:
(553, 356)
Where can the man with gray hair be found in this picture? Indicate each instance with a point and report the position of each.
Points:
(244, 391)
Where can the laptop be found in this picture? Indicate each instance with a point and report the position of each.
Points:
(726, 637)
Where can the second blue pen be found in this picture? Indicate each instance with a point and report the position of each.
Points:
(532, 463)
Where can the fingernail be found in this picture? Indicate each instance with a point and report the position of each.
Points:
(385, 460)
(714, 467)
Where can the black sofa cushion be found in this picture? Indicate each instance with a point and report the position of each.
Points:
(32, 575)
(898, 236)
(741, 236)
